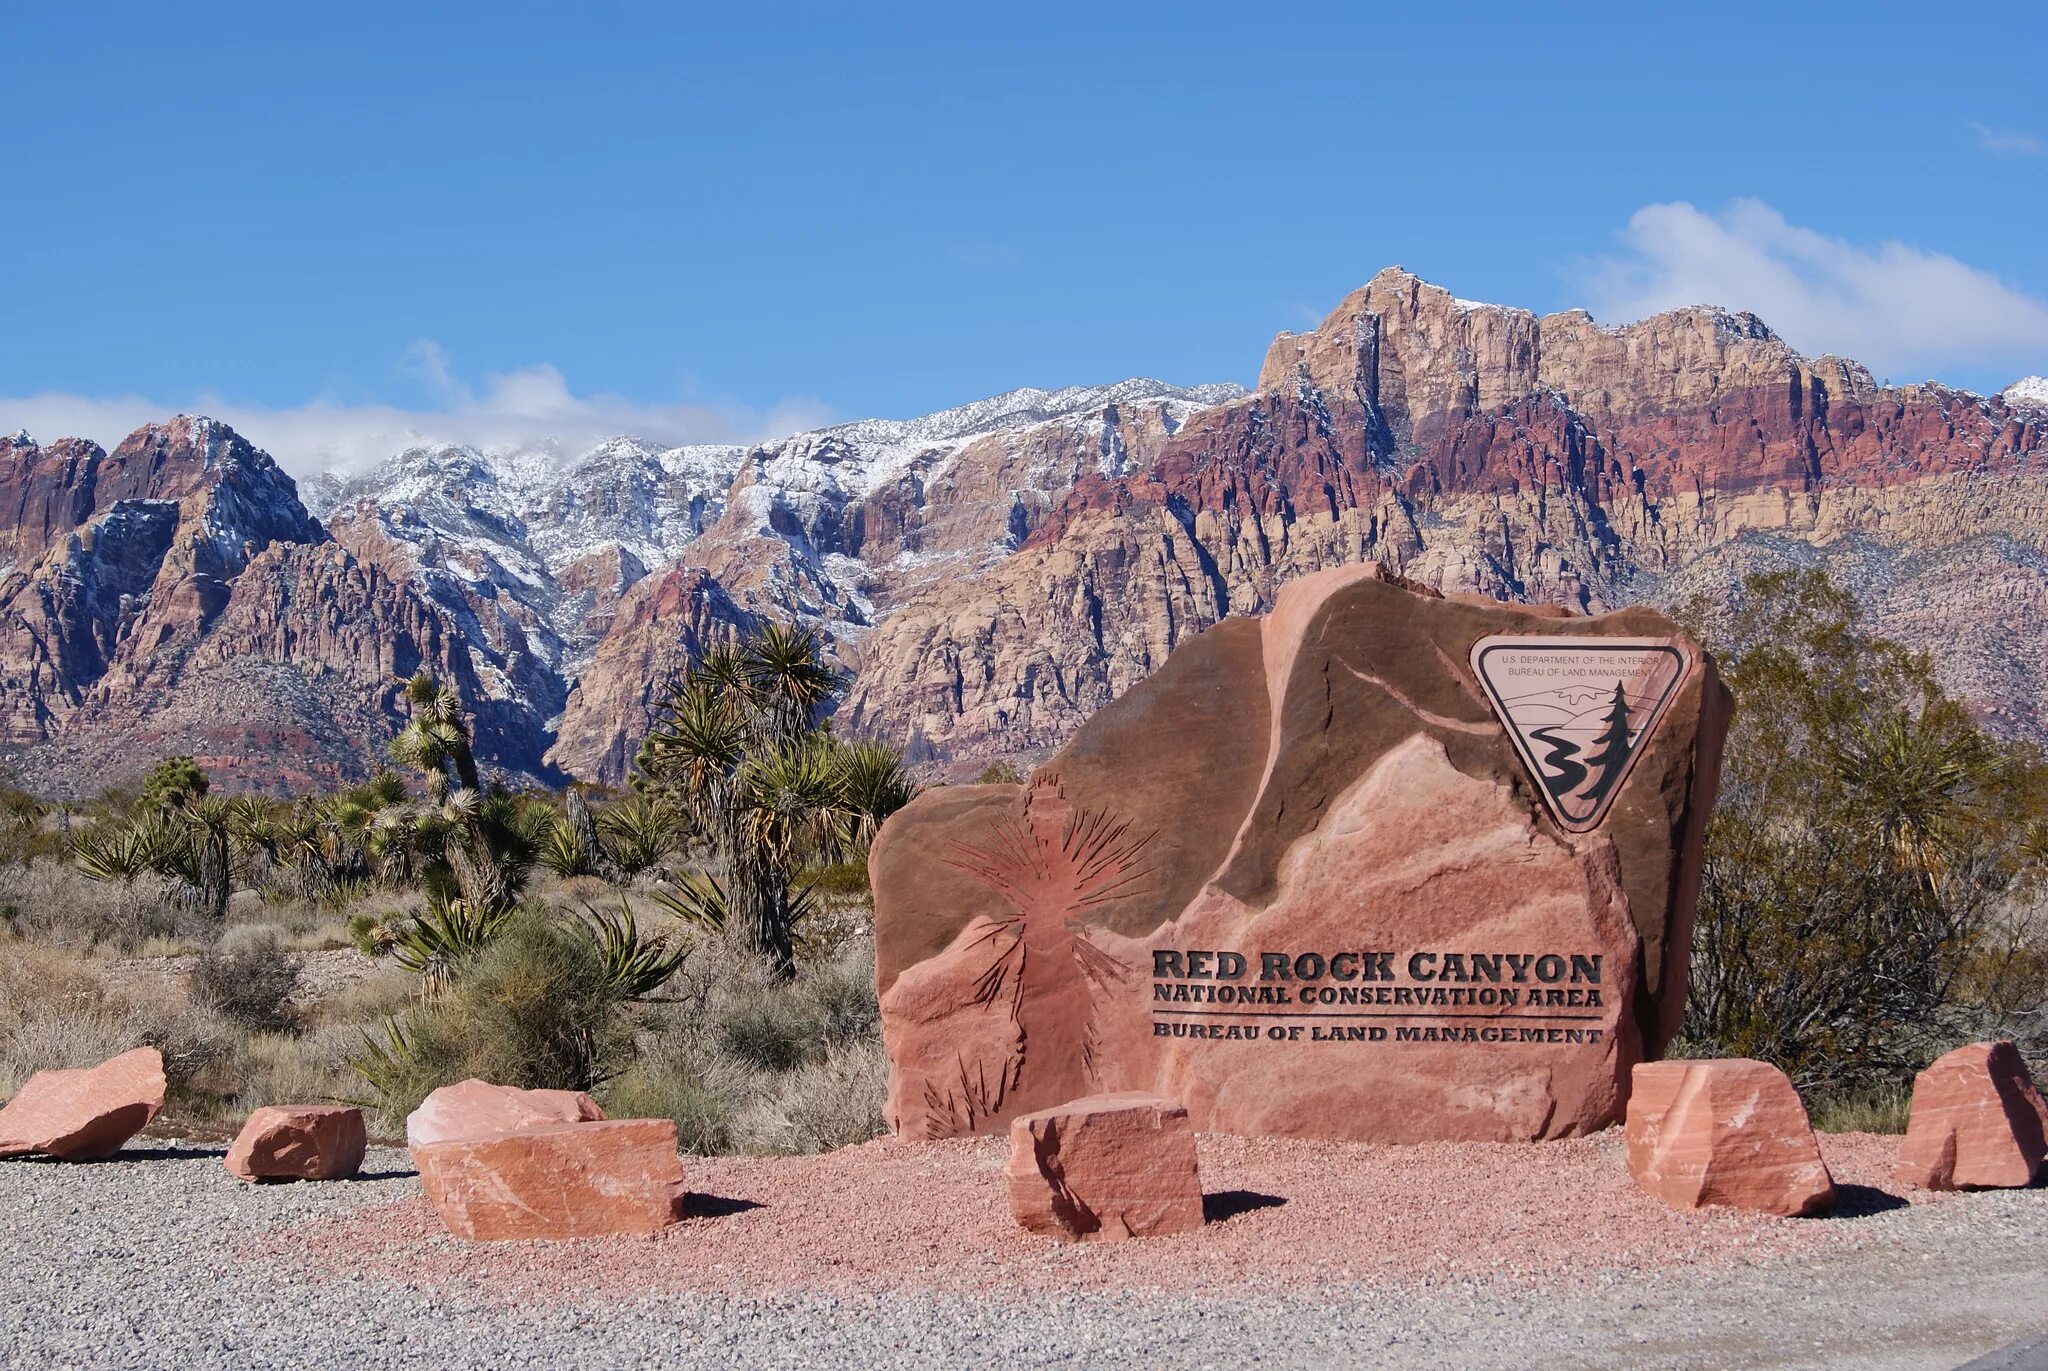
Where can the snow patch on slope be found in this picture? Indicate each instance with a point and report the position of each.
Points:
(2028, 390)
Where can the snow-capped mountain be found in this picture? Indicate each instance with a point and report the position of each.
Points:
(529, 552)
(2028, 390)
(654, 502)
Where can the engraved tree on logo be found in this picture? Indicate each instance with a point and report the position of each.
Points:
(1612, 758)
(1052, 869)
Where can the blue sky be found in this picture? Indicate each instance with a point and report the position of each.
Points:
(331, 224)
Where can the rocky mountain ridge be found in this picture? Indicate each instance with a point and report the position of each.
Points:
(990, 575)
(504, 571)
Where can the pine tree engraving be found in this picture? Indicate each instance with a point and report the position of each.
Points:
(1612, 758)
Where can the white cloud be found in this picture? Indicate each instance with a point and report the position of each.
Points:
(2008, 140)
(1902, 310)
(523, 408)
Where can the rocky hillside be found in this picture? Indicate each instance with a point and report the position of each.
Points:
(994, 573)
(1484, 449)
(557, 594)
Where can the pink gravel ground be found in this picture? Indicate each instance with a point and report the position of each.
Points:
(890, 1216)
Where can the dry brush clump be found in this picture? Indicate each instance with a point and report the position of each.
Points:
(746, 1061)
(1874, 873)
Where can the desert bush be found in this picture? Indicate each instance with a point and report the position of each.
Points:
(1883, 1109)
(56, 905)
(250, 980)
(304, 1068)
(831, 1101)
(747, 1062)
(54, 1014)
(663, 1089)
(57, 1013)
(840, 880)
(1869, 858)
(537, 1009)
(774, 1033)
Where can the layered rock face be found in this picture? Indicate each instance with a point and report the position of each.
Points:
(307, 1142)
(1482, 449)
(477, 1109)
(1302, 880)
(1104, 1169)
(1977, 1120)
(570, 1180)
(175, 596)
(84, 1115)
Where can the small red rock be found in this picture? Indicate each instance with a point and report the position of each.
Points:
(477, 1109)
(573, 1180)
(84, 1115)
(1105, 1168)
(301, 1142)
(1728, 1133)
(1977, 1121)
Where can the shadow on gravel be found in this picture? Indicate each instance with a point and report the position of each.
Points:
(1862, 1201)
(1228, 1204)
(138, 1154)
(696, 1206)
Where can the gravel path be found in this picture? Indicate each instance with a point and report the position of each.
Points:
(159, 1258)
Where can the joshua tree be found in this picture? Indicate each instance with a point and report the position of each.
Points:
(175, 784)
(743, 751)
(436, 738)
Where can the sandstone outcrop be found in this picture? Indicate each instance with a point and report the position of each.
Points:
(478, 1109)
(1302, 880)
(1105, 1168)
(303, 1142)
(1977, 1121)
(84, 1115)
(1730, 1133)
(573, 1180)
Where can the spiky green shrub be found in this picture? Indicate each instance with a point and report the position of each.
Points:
(743, 750)
(538, 1008)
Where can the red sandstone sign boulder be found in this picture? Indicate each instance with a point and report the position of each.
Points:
(84, 1115)
(1105, 1168)
(569, 1180)
(1977, 1120)
(476, 1109)
(1730, 1133)
(1381, 865)
(305, 1142)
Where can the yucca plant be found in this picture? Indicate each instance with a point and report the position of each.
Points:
(695, 898)
(152, 845)
(436, 738)
(635, 834)
(438, 940)
(634, 965)
(566, 852)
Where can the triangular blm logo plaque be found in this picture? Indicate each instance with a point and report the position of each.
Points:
(1579, 711)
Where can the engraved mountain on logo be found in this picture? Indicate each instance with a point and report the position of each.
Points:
(1579, 711)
